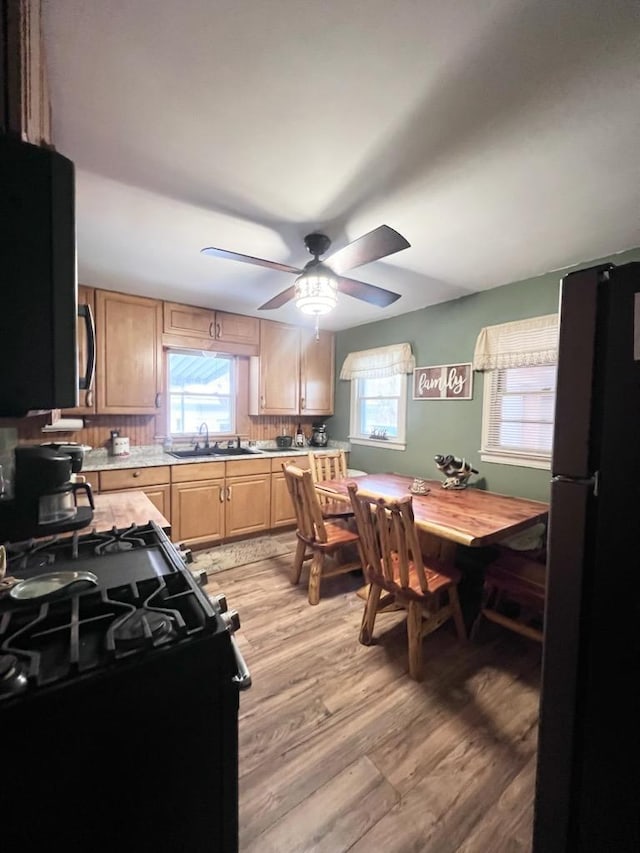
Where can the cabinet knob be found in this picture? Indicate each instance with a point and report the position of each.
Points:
(136, 474)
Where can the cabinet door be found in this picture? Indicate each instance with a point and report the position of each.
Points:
(129, 376)
(160, 497)
(198, 511)
(237, 329)
(282, 512)
(317, 371)
(248, 502)
(279, 384)
(86, 399)
(188, 321)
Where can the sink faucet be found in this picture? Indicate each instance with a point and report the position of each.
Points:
(206, 440)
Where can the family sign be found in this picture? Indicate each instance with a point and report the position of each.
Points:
(443, 382)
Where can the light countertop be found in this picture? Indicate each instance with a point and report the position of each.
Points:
(153, 455)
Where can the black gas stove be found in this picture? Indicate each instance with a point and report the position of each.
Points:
(133, 681)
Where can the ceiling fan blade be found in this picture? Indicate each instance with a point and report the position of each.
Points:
(281, 299)
(367, 292)
(379, 243)
(248, 259)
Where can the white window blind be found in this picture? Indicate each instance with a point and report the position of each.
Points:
(519, 391)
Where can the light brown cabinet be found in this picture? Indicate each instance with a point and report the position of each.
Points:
(129, 354)
(187, 325)
(282, 512)
(216, 500)
(275, 375)
(294, 374)
(153, 481)
(25, 104)
(86, 398)
(317, 372)
(248, 496)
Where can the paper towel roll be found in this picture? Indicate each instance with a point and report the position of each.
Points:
(64, 425)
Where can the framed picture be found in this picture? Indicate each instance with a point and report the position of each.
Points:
(443, 382)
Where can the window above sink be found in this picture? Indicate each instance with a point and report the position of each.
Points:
(201, 387)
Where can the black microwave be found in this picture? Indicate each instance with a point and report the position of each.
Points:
(38, 367)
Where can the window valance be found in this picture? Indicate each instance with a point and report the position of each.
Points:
(523, 343)
(379, 362)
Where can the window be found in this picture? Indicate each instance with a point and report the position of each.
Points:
(201, 388)
(378, 411)
(519, 391)
(379, 395)
(518, 415)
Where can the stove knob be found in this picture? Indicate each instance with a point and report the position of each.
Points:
(12, 678)
(221, 601)
(232, 620)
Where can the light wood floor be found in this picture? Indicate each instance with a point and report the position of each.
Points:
(340, 750)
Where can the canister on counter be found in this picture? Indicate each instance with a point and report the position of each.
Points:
(119, 444)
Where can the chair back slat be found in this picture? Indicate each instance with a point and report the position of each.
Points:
(309, 520)
(389, 540)
(331, 465)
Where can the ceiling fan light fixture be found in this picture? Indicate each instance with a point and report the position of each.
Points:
(316, 290)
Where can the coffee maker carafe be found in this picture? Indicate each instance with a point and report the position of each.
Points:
(45, 500)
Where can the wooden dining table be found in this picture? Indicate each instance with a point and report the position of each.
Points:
(446, 518)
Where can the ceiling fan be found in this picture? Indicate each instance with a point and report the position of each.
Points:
(315, 289)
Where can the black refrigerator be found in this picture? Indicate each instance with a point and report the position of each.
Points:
(587, 795)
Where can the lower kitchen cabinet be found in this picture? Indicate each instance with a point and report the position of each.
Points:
(215, 500)
(282, 512)
(153, 481)
(198, 511)
(248, 496)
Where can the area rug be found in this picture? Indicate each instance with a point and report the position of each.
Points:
(223, 557)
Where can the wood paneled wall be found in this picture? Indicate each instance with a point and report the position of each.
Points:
(142, 429)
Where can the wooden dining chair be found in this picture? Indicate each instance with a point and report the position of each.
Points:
(331, 465)
(393, 562)
(320, 540)
(514, 593)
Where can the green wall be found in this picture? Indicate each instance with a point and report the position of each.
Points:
(446, 334)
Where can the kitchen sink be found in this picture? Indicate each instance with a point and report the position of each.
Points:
(211, 451)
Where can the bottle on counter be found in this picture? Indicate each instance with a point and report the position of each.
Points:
(299, 440)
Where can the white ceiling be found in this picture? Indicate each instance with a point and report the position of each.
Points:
(500, 137)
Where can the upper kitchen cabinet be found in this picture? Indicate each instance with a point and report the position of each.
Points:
(275, 376)
(317, 370)
(129, 354)
(294, 374)
(25, 108)
(202, 328)
(87, 395)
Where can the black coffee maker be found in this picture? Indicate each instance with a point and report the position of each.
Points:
(319, 435)
(44, 498)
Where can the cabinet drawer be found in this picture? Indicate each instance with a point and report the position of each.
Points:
(133, 478)
(195, 471)
(242, 467)
(301, 461)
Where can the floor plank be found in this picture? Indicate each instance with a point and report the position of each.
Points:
(340, 750)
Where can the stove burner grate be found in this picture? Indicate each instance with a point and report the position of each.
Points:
(118, 540)
(142, 628)
(31, 554)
